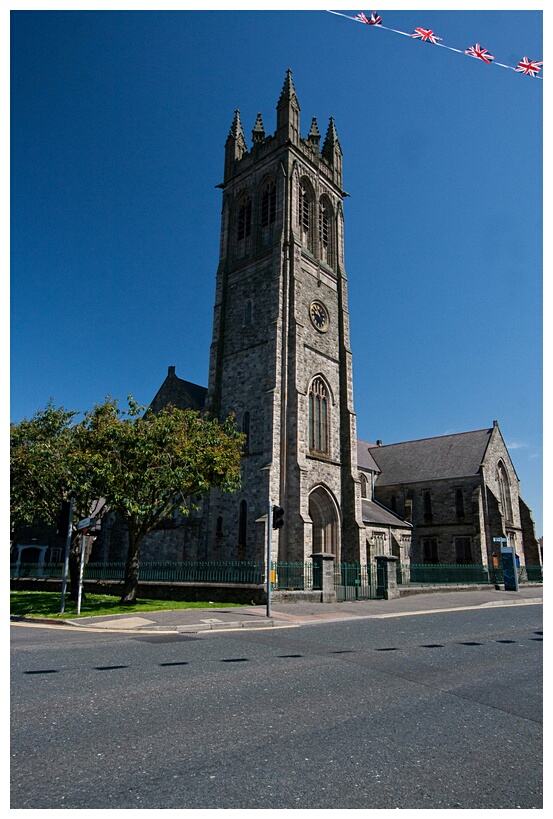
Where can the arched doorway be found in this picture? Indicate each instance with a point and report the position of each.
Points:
(323, 511)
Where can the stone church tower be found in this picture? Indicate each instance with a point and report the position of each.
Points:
(280, 355)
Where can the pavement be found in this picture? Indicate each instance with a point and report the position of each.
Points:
(296, 614)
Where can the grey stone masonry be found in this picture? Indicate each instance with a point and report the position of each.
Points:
(280, 355)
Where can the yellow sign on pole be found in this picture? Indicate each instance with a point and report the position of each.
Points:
(273, 575)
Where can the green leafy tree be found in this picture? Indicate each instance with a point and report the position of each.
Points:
(47, 468)
(148, 466)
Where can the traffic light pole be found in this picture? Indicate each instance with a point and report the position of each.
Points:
(269, 528)
(66, 562)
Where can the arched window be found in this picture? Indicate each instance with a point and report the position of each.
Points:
(246, 432)
(243, 523)
(319, 417)
(504, 491)
(364, 485)
(325, 230)
(244, 224)
(305, 214)
(268, 204)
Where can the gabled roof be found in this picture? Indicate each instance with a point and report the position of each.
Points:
(180, 393)
(430, 459)
(364, 458)
(374, 513)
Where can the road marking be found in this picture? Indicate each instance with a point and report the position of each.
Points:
(456, 608)
(141, 630)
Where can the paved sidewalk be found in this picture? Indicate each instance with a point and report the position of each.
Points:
(301, 614)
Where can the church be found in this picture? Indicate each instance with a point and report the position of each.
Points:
(281, 362)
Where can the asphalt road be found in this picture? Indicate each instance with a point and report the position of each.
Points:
(432, 711)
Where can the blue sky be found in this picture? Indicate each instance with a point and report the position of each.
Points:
(118, 123)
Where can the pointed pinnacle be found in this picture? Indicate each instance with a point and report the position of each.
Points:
(258, 133)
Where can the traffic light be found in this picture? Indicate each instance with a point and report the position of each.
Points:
(278, 517)
(63, 518)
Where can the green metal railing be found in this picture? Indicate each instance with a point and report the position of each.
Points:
(168, 572)
(351, 580)
(289, 576)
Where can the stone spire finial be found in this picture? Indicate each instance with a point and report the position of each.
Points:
(235, 146)
(332, 152)
(314, 133)
(258, 133)
(236, 130)
(288, 112)
(331, 142)
(288, 91)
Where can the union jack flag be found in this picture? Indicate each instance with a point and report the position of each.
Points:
(425, 34)
(527, 66)
(480, 53)
(376, 19)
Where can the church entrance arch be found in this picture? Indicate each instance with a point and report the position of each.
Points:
(323, 511)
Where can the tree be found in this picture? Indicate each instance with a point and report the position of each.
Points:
(46, 469)
(148, 466)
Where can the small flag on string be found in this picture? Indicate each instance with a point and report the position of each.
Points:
(531, 68)
(426, 35)
(375, 20)
(527, 66)
(480, 53)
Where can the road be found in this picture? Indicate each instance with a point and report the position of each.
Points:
(441, 710)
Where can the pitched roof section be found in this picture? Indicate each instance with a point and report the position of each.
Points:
(375, 514)
(180, 393)
(364, 458)
(431, 459)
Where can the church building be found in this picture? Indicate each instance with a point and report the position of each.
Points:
(281, 362)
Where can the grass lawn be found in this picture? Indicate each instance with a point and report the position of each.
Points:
(47, 604)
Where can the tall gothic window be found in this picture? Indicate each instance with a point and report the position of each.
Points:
(305, 215)
(268, 204)
(318, 417)
(325, 231)
(364, 485)
(504, 491)
(244, 224)
(248, 312)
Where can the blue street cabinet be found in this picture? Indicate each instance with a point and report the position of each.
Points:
(509, 564)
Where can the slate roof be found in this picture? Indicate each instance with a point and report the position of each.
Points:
(431, 459)
(364, 458)
(180, 393)
(374, 513)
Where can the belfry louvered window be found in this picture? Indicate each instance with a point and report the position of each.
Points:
(244, 226)
(324, 226)
(268, 205)
(304, 209)
(318, 417)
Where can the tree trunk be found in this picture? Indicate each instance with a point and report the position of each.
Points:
(130, 584)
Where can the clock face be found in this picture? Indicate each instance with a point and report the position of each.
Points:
(319, 316)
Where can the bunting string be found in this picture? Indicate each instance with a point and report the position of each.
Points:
(525, 66)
